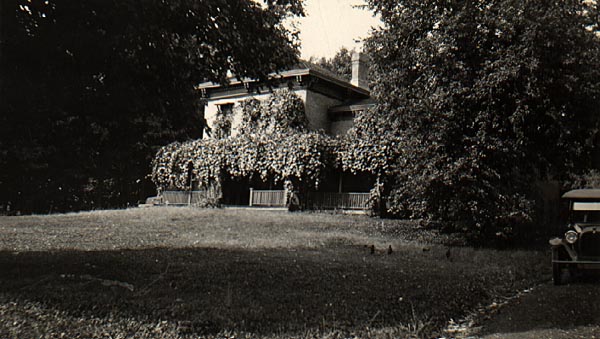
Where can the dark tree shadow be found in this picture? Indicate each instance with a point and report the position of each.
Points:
(261, 291)
(548, 307)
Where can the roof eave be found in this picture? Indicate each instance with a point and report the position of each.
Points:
(291, 73)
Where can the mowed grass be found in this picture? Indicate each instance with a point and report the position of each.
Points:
(222, 273)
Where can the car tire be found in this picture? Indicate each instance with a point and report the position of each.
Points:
(557, 274)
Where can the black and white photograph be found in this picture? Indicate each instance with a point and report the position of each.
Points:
(299, 169)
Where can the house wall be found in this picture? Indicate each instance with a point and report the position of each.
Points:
(317, 106)
(341, 126)
(212, 108)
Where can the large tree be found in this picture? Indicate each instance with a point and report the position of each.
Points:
(90, 89)
(482, 98)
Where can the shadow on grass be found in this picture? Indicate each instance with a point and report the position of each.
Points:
(206, 290)
(551, 311)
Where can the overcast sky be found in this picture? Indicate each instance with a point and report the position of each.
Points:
(331, 24)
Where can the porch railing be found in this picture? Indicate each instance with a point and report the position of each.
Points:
(183, 197)
(344, 200)
(314, 200)
(274, 198)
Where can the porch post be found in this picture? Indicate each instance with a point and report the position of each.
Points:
(251, 195)
(190, 176)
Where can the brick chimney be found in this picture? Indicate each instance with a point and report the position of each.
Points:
(359, 70)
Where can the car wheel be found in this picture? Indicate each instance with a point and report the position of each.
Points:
(557, 274)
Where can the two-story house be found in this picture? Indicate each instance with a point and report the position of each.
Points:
(330, 104)
(330, 101)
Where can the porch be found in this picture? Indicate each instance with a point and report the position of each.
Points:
(314, 200)
(343, 191)
(179, 198)
(270, 198)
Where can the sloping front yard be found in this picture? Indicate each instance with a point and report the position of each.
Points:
(184, 273)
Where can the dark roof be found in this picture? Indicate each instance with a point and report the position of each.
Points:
(303, 64)
(300, 69)
(582, 194)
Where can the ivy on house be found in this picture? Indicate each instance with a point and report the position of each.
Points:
(274, 143)
(223, 121)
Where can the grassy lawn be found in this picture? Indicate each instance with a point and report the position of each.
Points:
(188, 273)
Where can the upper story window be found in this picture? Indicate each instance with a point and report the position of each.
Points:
(226, 109)
(223, 121)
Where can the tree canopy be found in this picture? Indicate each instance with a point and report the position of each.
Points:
(340, 63)
(89, 90)
(482, 98)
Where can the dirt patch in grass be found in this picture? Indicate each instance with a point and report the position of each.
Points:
(160, 273)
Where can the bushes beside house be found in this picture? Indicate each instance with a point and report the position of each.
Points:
(482, 101)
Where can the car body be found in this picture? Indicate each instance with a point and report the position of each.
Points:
(579, 248)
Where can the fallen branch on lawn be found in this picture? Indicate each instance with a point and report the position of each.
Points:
(107, 282)
(146, 288)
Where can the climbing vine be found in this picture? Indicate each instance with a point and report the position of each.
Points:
(301, 157)
(273, 142)
(223, 123)
(251, 113)
(370, 146)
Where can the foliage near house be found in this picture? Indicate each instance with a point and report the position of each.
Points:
(301, 157)
(282, 113)
(369, 147)
(89, 90)
(273, 143)
(340, 63)
(480, 99)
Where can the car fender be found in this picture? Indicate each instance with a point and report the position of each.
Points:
(558, 243)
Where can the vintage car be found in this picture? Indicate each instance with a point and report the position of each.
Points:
(579, 248)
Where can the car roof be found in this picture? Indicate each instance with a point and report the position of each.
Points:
(583, 194)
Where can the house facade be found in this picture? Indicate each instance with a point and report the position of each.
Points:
(330, 104)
